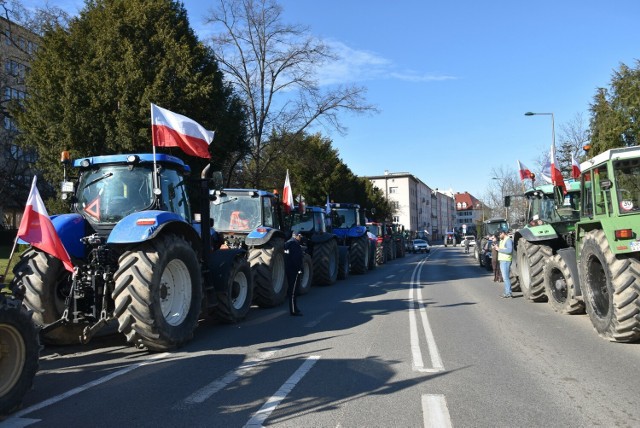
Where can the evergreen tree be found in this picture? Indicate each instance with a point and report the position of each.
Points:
(91, 84)
(615, 112)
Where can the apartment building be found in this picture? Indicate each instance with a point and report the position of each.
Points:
(17, 46)
(417, 206)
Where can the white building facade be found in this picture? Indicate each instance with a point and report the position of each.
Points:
(417, 206)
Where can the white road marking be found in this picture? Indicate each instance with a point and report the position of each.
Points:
(317, 320)
(207, 391)
(435, 411)
(272, 403)
(53, 400)
(418, 306)
(389, 276)
(376, 284)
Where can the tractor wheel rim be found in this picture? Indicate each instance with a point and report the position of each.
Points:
(175, 300)
(12, 357)
(240, 290)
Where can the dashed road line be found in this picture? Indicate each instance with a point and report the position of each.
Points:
(272, 403)
(435, 411)
(317, 320)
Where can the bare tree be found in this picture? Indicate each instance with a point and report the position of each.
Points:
(273, 67)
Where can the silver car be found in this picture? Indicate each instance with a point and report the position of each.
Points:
(420, 245)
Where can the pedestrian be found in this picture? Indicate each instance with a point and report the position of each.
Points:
(505, 255)
(466, 245)
(497, 276)
(293, 264)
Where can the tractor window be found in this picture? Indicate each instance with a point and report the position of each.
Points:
(318, 218)
(602, 192)
(174, 195)
(627, 173)
(267, 213)
(302, 222)
(236, 212)
(587, 197)
(345, 218)
(110, 193)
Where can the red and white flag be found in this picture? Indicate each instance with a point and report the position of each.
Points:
(575, 168)
(170, 129)
(287, 195)
(524, 171)
(556, 175)
(36, 229)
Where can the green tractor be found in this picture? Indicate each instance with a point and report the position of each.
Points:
(550, 228)
(602, 268)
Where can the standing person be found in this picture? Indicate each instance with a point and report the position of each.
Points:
(497, 276)
(293, 259)
(505, 251)
(466, 245)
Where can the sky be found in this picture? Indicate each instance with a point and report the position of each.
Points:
(452, 80)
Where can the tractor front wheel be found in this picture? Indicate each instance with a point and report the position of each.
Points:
(561, 287)
(46, 284)
(325, 262)
(267, 264)
(531, 261)
(235, 301)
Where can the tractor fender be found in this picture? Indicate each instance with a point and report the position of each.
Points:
(70, 228)
(320, 238)
(220, 263)
(544, 232)
(569, 257)
(145, 225)
(262, 235)
(357, 231)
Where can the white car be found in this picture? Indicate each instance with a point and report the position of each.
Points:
(420, 245)
(471, 239)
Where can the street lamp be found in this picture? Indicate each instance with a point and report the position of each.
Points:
(553, 126)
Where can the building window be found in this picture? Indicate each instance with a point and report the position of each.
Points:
(393, 190)
(396, 219)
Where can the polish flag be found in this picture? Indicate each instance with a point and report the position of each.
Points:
(36, 229)
(287, 195)
(575, 168)
(556, 175)
(170, 129)
(524, 171)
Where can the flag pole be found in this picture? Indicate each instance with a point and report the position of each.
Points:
(153, 143)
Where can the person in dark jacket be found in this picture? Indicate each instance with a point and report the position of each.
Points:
(293, 264)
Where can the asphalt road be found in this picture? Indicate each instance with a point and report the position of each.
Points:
(420, 341)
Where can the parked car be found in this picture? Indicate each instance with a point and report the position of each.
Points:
(471, 239)
(420, 245)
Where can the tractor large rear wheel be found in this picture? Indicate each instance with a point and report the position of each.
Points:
(267, 264)
(158, 293)
(359, 254)
(560, 287)
(19, 353)
(531, 261)
(235, 301)
(611, 288)
(46, 284)
(325, 262)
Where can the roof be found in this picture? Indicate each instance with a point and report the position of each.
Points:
(466, 201)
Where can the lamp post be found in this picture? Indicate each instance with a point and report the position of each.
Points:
(553, 126)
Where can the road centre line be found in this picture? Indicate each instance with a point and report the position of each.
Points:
(389, 276)
(207, 391)
(418, 306)
(272, 403)
(53, 400)
(375, 284)
(435, 411)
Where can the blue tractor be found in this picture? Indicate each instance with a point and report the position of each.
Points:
(251, 220)
(139, 258)
(347, 223)
(329, 259)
